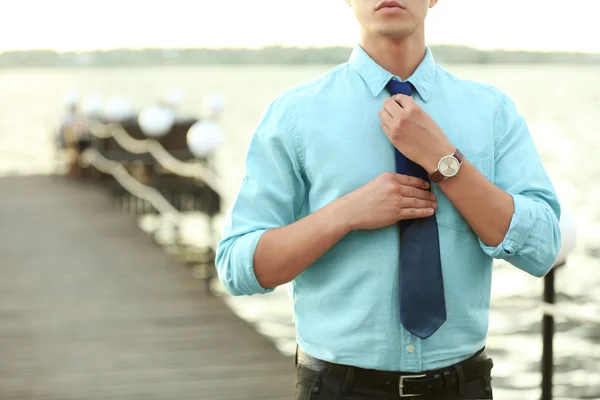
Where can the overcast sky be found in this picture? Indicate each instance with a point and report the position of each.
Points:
(85, 24)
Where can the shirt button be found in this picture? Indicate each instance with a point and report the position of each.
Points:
(410, 348)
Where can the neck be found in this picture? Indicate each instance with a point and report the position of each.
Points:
(400, 57)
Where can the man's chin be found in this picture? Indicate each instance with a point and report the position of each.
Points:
(393, 31)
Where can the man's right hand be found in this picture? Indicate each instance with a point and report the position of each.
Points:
(283, 253)
(386, 200)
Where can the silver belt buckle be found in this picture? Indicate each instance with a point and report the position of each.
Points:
(401, 385)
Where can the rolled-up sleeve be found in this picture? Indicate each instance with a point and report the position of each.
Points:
(270, 195)
(533, 239)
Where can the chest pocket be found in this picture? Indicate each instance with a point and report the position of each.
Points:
(447, 215)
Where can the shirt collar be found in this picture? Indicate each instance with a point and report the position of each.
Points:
(377, 77)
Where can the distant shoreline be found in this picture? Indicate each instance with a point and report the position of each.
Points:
(272, 55)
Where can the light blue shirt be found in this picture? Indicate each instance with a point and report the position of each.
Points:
(321, 140)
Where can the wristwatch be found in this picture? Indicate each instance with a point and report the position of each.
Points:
(448, 166)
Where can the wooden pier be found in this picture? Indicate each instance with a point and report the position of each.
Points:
(92, 308)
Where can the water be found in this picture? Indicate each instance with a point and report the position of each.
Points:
(560, 104)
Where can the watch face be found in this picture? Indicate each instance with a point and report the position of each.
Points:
(448, 166)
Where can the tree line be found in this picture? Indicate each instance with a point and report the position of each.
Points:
(278, 55)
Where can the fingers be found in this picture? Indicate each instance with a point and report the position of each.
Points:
(386, 121)
(392, 107)
(412, 192)
(386, 129)
(385, 116)
(403, 100)
(412, 181)
(415, 193)
(415, 202)
(413, 213)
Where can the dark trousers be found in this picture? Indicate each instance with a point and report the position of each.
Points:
(321, 385)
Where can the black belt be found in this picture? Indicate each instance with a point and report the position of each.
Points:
(408, 384)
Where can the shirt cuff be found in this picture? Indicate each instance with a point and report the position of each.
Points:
(246, 246)
(519, 230)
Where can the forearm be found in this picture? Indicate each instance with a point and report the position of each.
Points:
(283, 253)
(486, 208)
(490, 211)
(516, 218)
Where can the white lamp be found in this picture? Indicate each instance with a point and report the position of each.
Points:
(71, 98)
(117, 109)
(568, 231)
(204, 137)
(174, 97)
(214, 103)
(156, 121)
(92, 106)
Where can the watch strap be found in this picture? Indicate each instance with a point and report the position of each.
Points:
(436, 176)
(459, 156)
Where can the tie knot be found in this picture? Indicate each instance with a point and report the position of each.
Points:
(394, 86)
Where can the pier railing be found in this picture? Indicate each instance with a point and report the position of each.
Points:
(156, 163)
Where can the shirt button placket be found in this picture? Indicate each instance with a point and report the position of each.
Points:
(411, 352)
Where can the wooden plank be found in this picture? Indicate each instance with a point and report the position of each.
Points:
(91, 308)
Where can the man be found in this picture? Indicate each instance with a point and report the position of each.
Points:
(382, 191)
(69, 136)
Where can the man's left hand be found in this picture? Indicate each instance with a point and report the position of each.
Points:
(413, 132)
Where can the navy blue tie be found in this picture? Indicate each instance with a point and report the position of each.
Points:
(422, 302)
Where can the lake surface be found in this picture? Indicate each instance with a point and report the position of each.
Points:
(560, 103)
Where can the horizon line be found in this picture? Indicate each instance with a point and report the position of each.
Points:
(280, 45)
